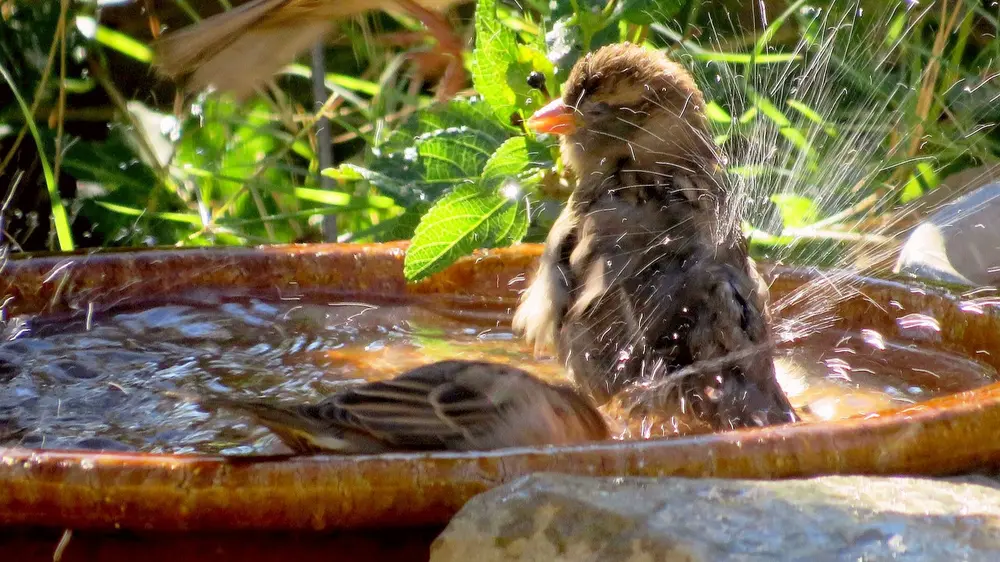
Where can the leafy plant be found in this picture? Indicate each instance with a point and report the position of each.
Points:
(836, 124)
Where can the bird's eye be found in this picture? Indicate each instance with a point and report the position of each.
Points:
(536, 80)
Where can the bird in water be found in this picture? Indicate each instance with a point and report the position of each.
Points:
(448, 405)
(645, 280)
(237, 50)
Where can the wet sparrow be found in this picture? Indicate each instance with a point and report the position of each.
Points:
(239, 49)
(646, 273)
(450, 405)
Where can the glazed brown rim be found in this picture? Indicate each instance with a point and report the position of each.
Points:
(81, 489)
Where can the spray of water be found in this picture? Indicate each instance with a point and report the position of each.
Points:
(829, 128)
(832, 126)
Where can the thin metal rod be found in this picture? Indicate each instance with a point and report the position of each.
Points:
(324, 142)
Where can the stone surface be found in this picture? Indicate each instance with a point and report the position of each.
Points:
(557, 518)
(959, 243)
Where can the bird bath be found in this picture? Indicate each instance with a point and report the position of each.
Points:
(938, 416)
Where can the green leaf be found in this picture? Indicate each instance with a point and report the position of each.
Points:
(924, 179)
(59, 216)
(774, 26)
(111, 163)
(717, 114)
(513, 159)
(341, 199)
(123, 44)
(813, 116)
(467, 218)
(796, 211)
(494, 56)
(186, 218)
(436, 150)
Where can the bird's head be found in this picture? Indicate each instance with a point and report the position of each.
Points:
(627, 105)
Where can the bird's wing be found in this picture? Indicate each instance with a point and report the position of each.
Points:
(450, 404)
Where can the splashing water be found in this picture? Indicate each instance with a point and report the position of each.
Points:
(839, 129)
(103, 381)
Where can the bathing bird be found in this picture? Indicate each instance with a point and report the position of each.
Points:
(645, 279)
(449, 405)
(239, 49)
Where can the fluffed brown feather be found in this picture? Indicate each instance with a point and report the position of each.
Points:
(646, 272)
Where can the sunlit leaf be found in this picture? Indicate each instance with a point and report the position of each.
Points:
(436, 150)
(59, 216)
(113, 39)
(352, 83)
(186, 218)
(716, 113)
(515, 157)
(341, 199)
(923, 179)
(495, 54)
(741, 58)
(465, 219)
(813, 116)
(796, 210)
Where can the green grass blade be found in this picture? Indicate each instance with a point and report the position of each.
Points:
(63, 233)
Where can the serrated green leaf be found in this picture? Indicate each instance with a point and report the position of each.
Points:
(513, 160)
(492, 59)
(465, 219)
(433, 152)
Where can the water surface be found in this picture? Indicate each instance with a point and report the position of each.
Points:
(100, 382)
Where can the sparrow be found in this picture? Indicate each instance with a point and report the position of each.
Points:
(645, 281)
(239, 49)
(449, 405)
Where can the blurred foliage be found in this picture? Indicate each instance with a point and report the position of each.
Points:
(839, 118)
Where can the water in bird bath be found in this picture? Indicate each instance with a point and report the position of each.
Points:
(100, 382)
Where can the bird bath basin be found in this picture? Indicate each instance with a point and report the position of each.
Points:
(936, 414)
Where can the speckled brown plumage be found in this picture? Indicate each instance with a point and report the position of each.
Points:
(646, 273)
(448, 405)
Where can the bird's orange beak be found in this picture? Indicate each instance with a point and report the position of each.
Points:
(556, 118)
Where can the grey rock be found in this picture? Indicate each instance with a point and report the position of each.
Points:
(559, 518)
(959, 243)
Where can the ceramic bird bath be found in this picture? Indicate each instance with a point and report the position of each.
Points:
(106, 491)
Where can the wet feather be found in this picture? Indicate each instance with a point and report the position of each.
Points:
(646, 275)
(449, 405)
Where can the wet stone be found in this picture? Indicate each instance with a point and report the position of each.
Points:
(557, 518)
